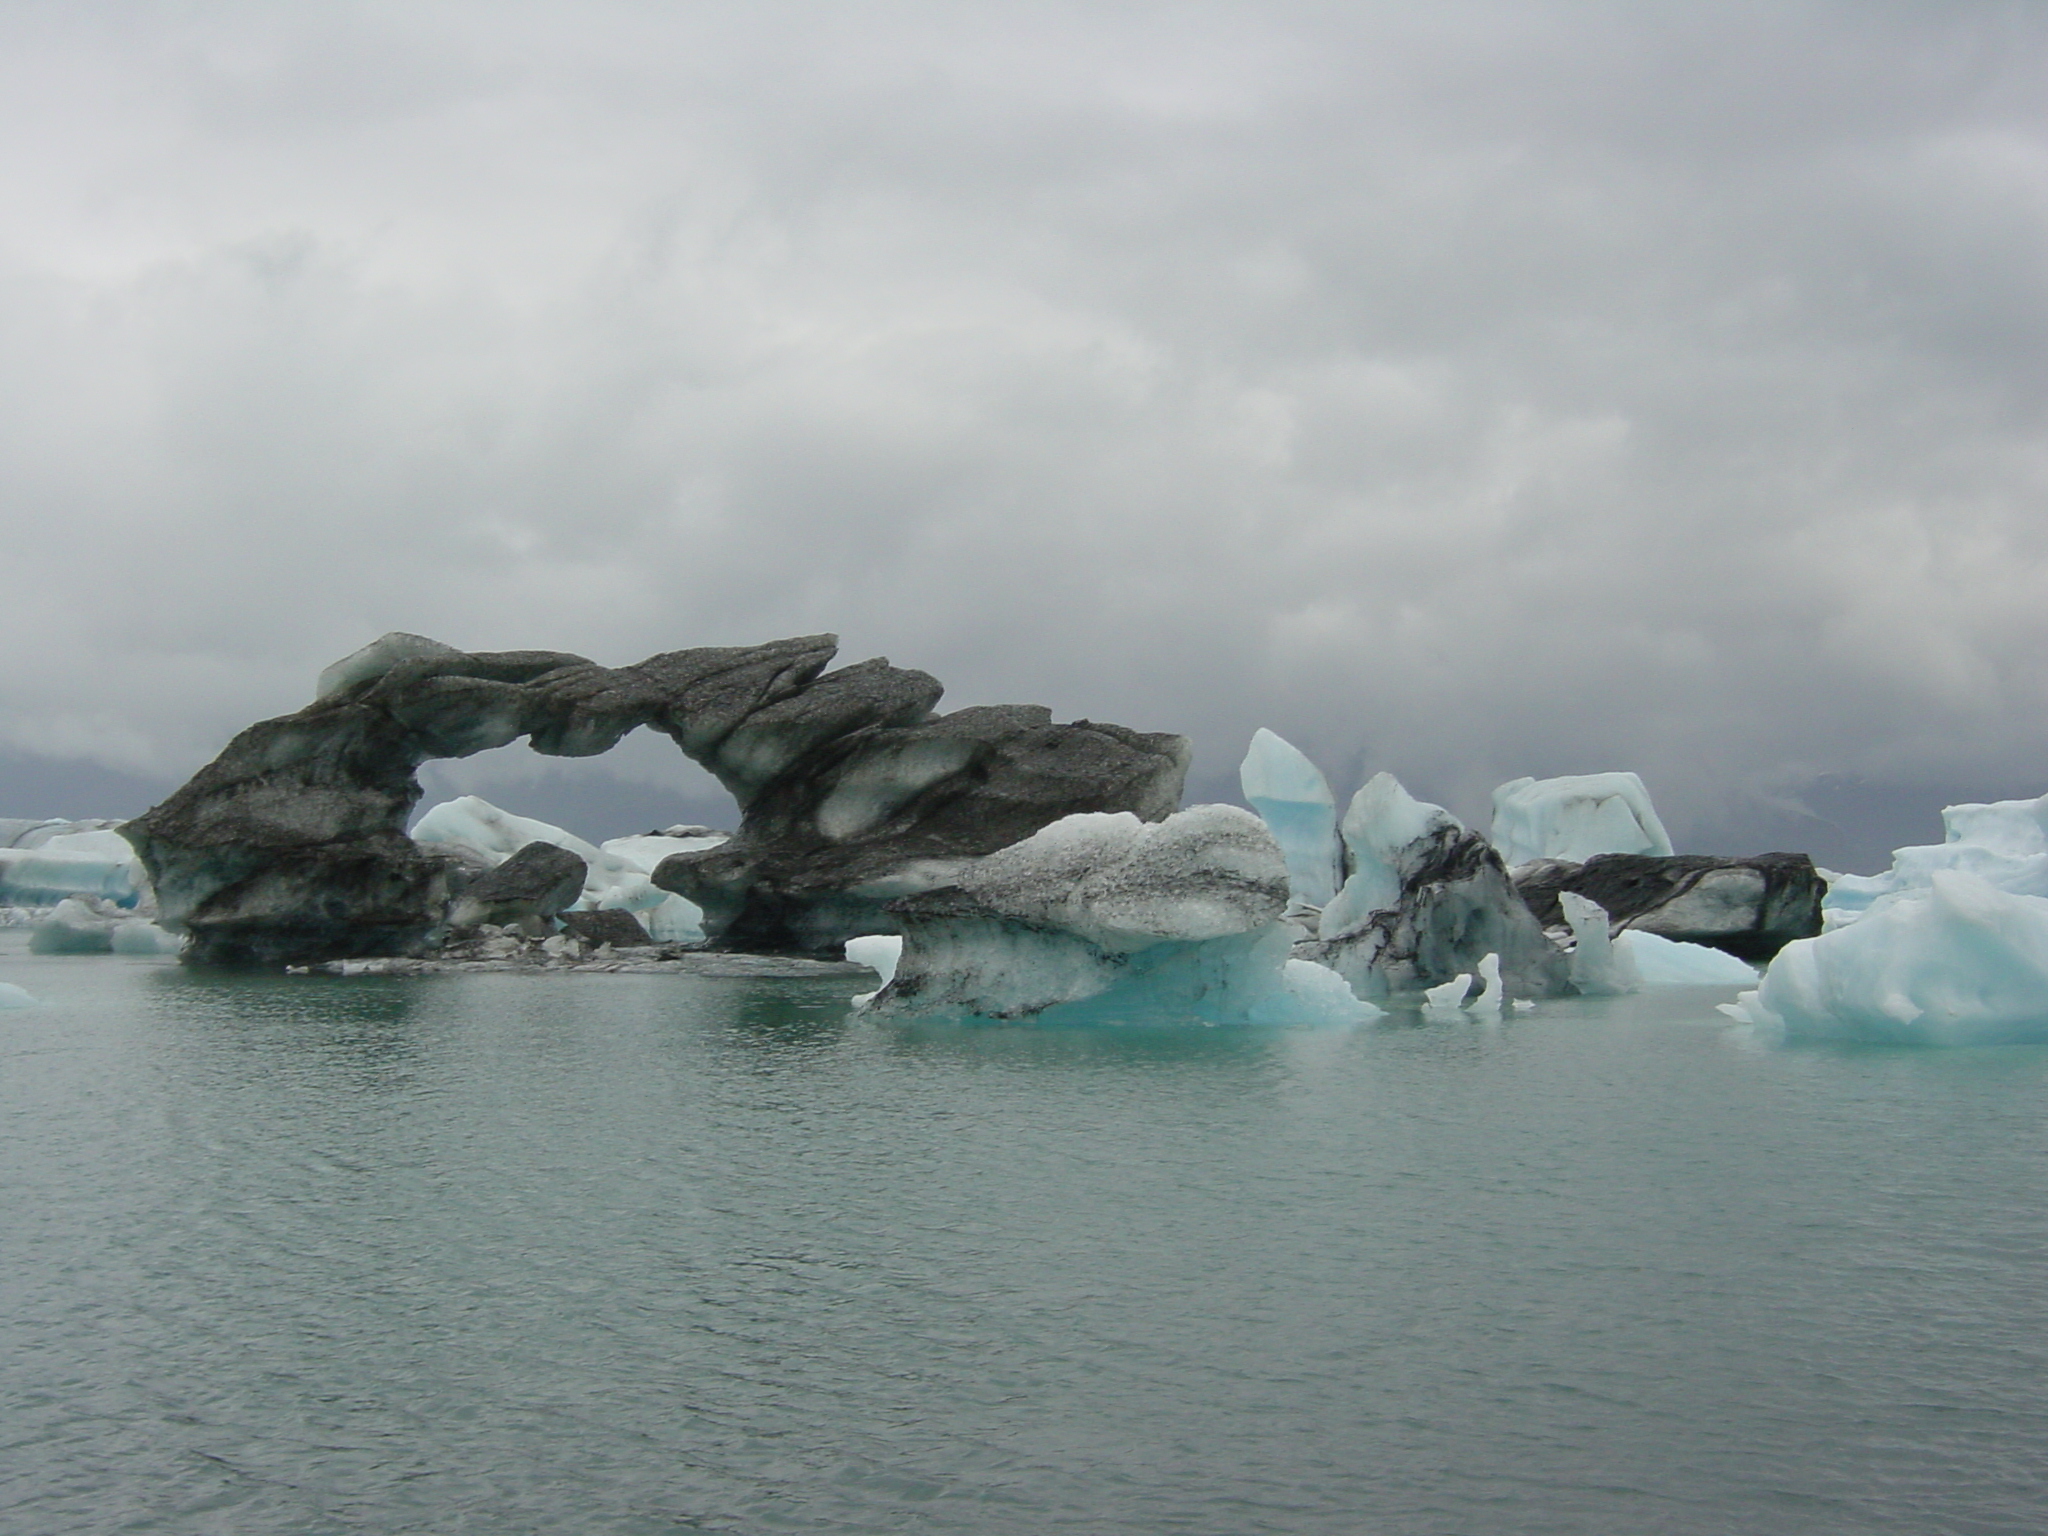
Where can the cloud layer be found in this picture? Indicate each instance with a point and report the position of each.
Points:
(1469, 390)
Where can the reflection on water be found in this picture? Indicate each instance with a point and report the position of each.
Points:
(502, 1253)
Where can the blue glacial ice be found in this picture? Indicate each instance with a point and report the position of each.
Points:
(471, 828)
(1293, 798)
(1575, 817)
(1952, 961)
(1103, 918)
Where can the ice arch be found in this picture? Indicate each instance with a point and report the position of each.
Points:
(291, 845)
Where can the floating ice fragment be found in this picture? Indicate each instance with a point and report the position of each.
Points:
(879, 952)
(1489, 998)
(12, 996)
(1450, 996)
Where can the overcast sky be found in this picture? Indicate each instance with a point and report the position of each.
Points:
(1468, 390)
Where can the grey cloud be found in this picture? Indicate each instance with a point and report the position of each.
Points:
(1468, 390)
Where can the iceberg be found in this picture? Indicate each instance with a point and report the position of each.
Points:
(1293, 798)
(52, 860)
(2003, 843)
(12, 996)
(1575, 817)
(1956, 961)
(1426, 900)
(618, 871)
(75, 926)
(1103, 918)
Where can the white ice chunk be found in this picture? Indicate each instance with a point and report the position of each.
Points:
(12, 996)
(1958, 962)
(2003, 843)
(1599, 968)
(879, 952)
(1490, 994)
(1575, 817)
(1290, 793)
(1662, 962)
(1449, 996)
(1382, 820)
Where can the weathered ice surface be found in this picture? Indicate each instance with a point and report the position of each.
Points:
(1575, 817)
(1751, 908)
(291, 845)
(1426, 901)
(527, 891)
(1103, 918)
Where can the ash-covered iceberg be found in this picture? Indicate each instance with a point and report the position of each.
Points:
(1104, 918)
(1575, 817)
(2003, 843)
(1293, 798)
(617, 872)
(1426, 900)
(1953, 961)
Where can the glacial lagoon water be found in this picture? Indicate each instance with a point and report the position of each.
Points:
(633, 1254)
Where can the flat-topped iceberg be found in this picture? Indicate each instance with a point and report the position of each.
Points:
(1956, 961)
(1103, 918)
(1575, 817)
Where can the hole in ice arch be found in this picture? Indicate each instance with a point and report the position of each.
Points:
(642, 785)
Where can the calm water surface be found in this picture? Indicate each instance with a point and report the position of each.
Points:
(627, 1254)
